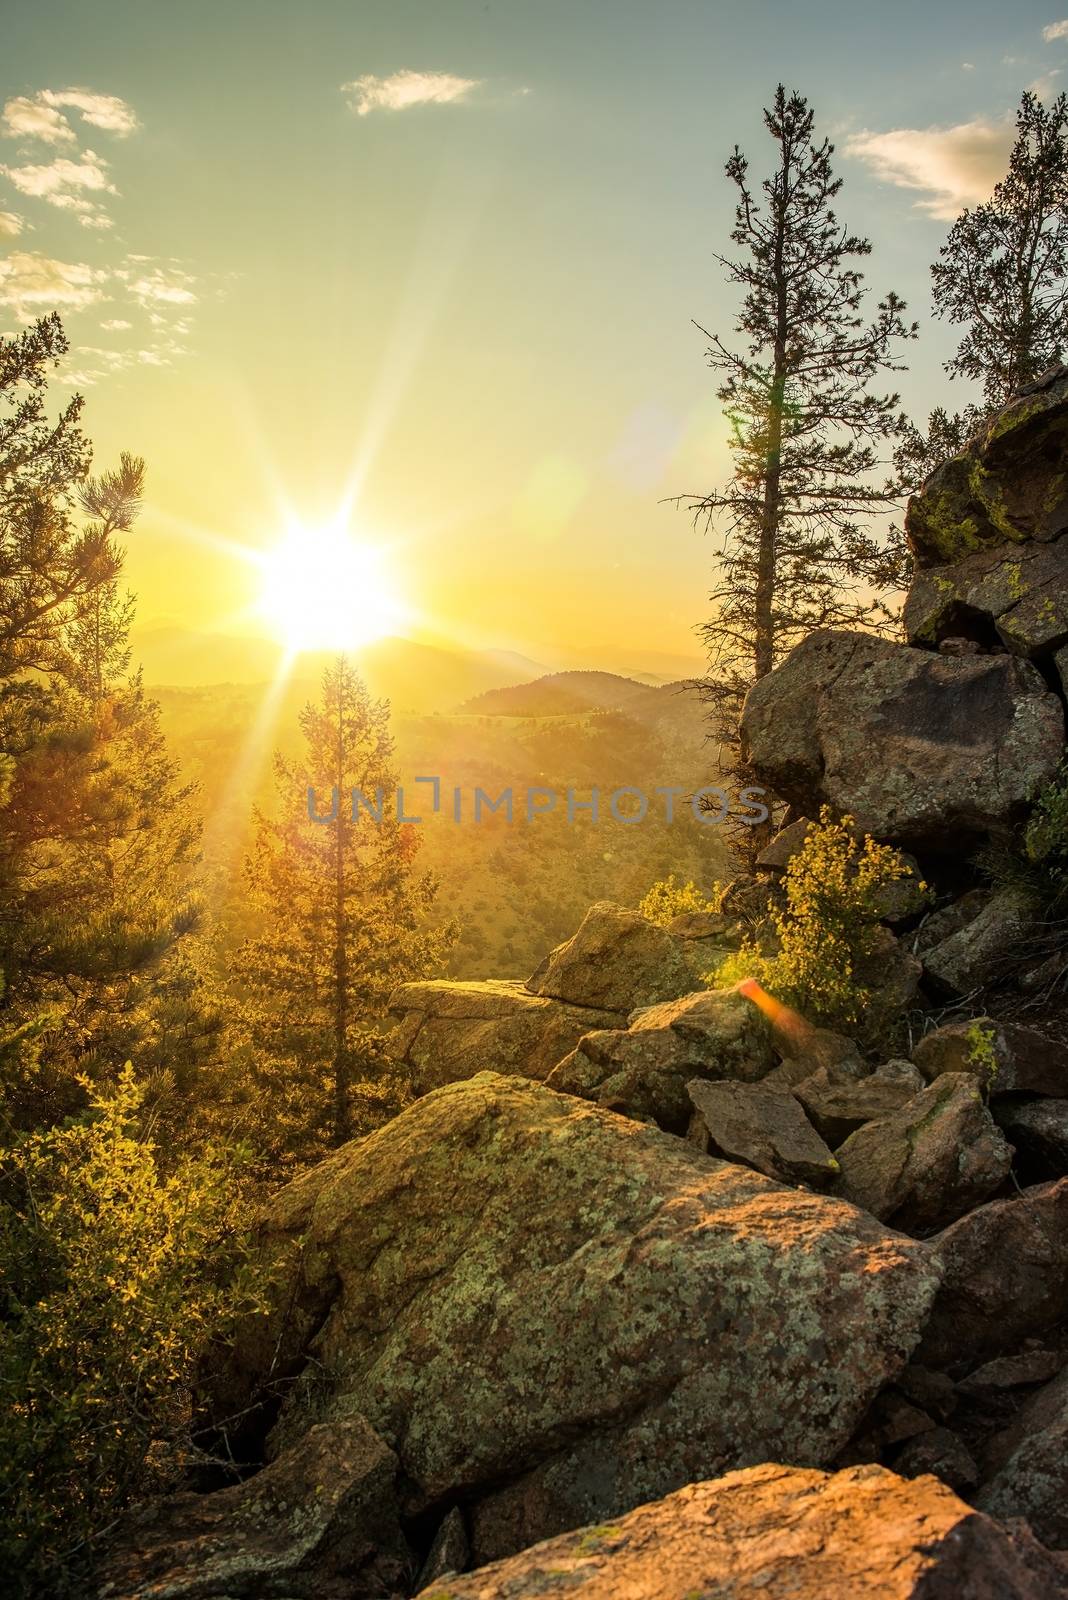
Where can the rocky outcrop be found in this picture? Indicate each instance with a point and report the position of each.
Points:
(762, 1126)
(925, 1165)
(643, 1071)
(446, 1031)
(319, 1522)
(1005, 1277)
(1009, 486)
(618, 960)
(518, 1288)
(963, 742)
(784, 1534)
(839, 1103)
(986, 947)
(1012, 595)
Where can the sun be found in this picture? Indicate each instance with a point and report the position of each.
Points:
(324, 590)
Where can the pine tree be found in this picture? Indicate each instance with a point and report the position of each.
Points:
(797, 552)
(344, 917)
(1002, 275)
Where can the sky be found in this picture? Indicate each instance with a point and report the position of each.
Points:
(438, 262)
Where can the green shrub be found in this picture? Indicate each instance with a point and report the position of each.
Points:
(114, 1277)
(669, 899)
(828, 931)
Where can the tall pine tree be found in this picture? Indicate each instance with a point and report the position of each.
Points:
(344, 916)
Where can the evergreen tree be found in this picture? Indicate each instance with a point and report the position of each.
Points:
(797, 552)
(1002, 275)
(344, 919)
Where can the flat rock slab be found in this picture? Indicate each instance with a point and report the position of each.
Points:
(963, 742)
(781, 1533)
(984, 949)
(762, 1126)
(446, 1030)
(519, 1288)
(923, 1166)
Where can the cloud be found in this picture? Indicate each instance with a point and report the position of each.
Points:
(154, 287)
(955, 167)
(967, 66)
(10, 225)
(40, 116)
(115, 325)
(1055, 30)
(66, 184)
(404, 89)
(31, 284)
(1046, 84)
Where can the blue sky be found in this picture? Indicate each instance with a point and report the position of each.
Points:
(466, 285)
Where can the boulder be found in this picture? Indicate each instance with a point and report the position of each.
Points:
(943, 1453)
(761, 1126)
(320, 1521)
(446, 1031)
(618, 960)
(643, 1071)
(1039, 1130)
(963, 742)
(987, 948)
(1006, 1277)
(518, 1288)
(1026, 1466)
(838, 1104)
(1008, 486)
(1005, 1057)
(450, 1551)
(924, 1165)
(783, 1533)
(1011, 1372)
(937, 926)
(1013, 595)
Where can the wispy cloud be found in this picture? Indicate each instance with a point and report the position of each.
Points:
(155, 286)
(115, 325)
(31, 284)
(40, 116)
(10, 225)
(404, 89)
(952, 167)
(68, 184)
(1055, 30)
(1045, 86)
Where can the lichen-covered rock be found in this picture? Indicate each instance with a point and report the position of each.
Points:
(1013, 595)
(761, 1126)
(1005, 1057)
(517, 1287)
(618, 960)
(1026, 1466)
(781, 1533)
(643, 1071)
(839, 1103)
(320, 1521)
(962, 743)
(1010, 484)
(984, 950)
(1006, 1277)
(447, 1030)
(922, 1166)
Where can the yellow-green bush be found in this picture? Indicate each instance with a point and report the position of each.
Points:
(827, 931)
(114, 1277)
(668, 899)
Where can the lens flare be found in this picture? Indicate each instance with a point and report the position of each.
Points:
(789, 1024)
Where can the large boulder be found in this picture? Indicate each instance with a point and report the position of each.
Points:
(618, 960)
(989, 946)
(1005, 1057)
(781, 1533)
(1038, 1129)
(1006, 1277)
(319, 1522)
(643, 1071)
(1027, 1466)
(924, 1165)
(518, 1288)
(963, 742)
(1009, 486)
(1013, 595)
(446, 1030)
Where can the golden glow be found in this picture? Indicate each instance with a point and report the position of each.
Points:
(786, 1022)
(324, 590)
